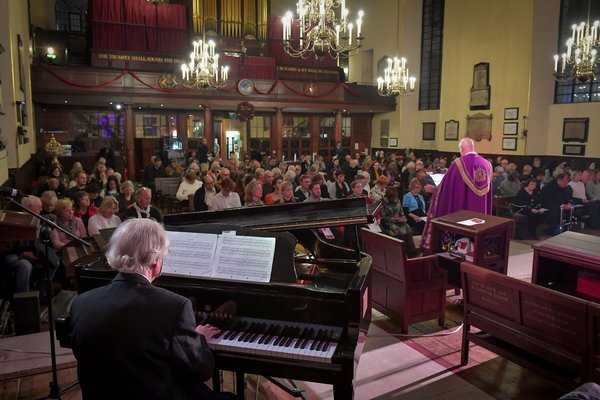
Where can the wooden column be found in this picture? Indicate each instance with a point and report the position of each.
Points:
(182, 133)
(208, 129)
(314, 134)
(338, 126)
(277, 144)
(130, 143)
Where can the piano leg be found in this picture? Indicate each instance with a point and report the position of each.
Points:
(343, 390)
(239, 384)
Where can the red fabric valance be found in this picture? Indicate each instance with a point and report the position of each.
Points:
(137, 25)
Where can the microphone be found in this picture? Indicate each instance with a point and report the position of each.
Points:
(11, 192)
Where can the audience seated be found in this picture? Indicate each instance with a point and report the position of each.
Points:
(526, 203)
(302, 191)
(63, 208)
(188, 187)
(592, 188)
(554, 196)
(287, 193)
(105, 218)
(414, 207)
(393, 222)
(511, 185)
(83, 208)
(226, 198)
(204, 195)
(588, 207)
(143, 208)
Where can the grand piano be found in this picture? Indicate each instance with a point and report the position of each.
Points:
(310, 321)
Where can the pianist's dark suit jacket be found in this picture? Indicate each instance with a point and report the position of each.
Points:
(133, 340)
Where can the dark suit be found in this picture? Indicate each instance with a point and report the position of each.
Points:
(200, 199)
(133, 340)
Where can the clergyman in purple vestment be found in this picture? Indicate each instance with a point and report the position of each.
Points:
(466, 186)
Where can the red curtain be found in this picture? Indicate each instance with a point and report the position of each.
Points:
(253, 67)
(106, 17)
(138, 25)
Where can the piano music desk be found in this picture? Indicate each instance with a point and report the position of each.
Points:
(27, 374)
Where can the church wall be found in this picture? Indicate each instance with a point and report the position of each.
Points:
(13, 22)
(498, 33)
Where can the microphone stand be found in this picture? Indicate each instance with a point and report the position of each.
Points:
(55, 390)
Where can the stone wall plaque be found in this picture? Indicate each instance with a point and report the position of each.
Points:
(479, 126)
(481, 90)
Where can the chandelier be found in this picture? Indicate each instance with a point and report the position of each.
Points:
(203, 69)
(320, 30)
(580, 59)
(396, 80)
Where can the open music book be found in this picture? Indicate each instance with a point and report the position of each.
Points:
(224, 256)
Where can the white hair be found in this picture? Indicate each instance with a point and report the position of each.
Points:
(136, 244)
(28, 201)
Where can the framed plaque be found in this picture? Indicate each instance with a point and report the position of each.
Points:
(510, 128)
(451, 130)
(509, 143)
(573, 149)
(511, 113)
(428, 130)
(480, 91)
(575, 130)
(479, 126)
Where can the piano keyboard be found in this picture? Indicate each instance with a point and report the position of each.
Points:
(289, 340)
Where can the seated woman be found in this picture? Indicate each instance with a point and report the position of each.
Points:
(84, 208)
(106, 217)
(511, 185)
(287, 193)
(66, 220)
(414, 206)
(378, 191)
(188, 187)
(275, 195)
(393, 222)
(253, 194)
(526, 203)
(112, 187)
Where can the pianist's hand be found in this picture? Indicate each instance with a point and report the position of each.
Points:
(208, 331)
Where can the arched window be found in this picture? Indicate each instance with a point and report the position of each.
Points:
(71, 15)
(432, 40)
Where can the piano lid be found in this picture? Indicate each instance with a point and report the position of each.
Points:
(284, 217)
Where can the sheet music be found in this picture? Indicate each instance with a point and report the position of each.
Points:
(246, 258)
(191, 254)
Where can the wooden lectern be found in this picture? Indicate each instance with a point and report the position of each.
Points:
(15, 226)
(490, 239)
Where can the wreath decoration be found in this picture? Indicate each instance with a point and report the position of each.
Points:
(245, 111)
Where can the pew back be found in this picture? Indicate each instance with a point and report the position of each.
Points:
(406, 290)
(536, 327)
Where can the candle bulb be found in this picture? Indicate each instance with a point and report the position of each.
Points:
(350, 26)
(556, 63)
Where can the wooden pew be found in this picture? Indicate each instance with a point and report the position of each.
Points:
(594, 341)
(406, 290)
(541, 329)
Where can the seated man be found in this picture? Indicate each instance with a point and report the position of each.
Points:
(143, 208)
(554, 196)
(140, 338)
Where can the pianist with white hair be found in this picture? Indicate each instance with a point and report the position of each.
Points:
(135, 338)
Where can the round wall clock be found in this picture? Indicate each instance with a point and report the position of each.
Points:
(245, 87)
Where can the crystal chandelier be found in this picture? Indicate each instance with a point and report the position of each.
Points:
(396, 80)
(203, 69)
(320, 30)
(580, 60)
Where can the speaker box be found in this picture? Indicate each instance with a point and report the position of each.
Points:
(26, 311)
